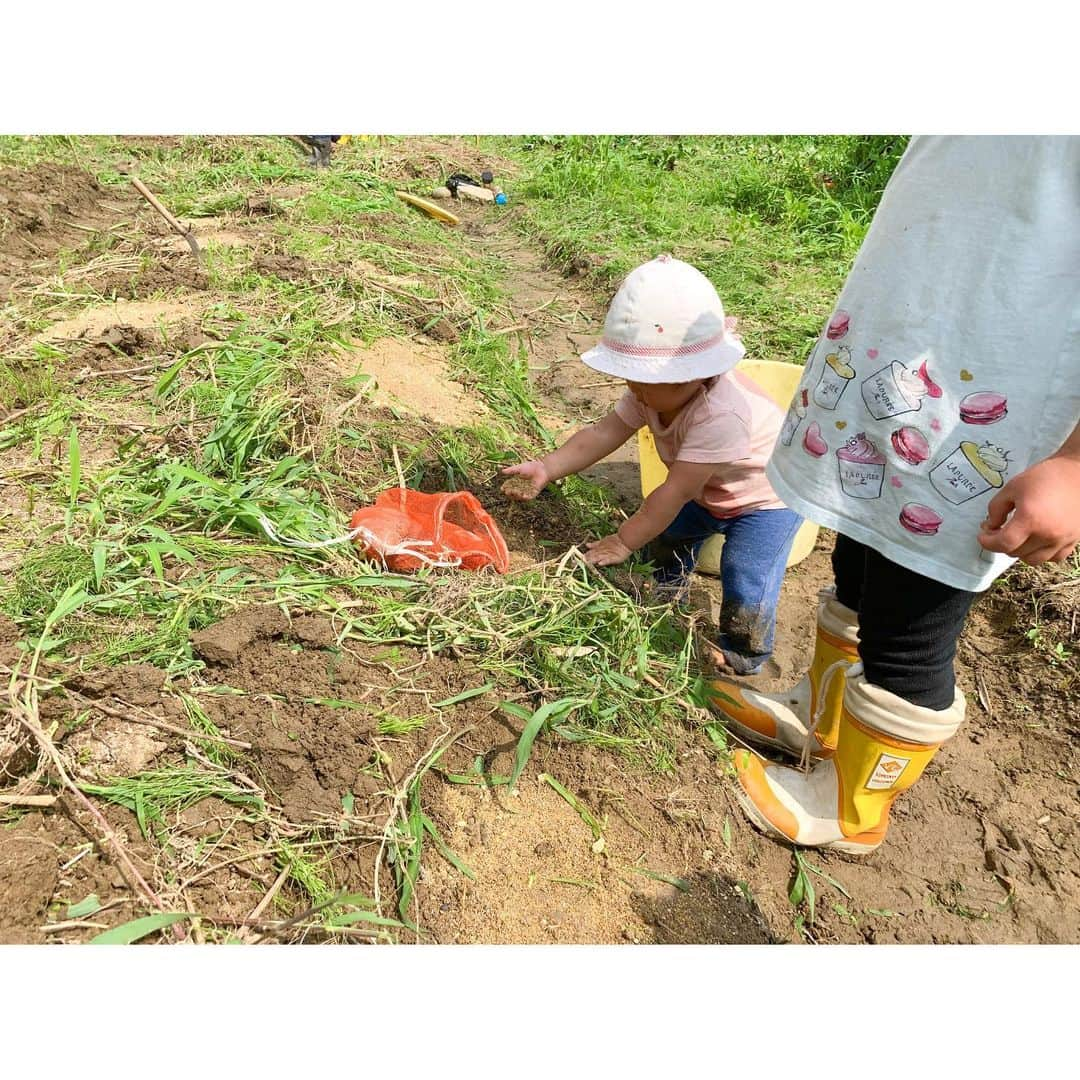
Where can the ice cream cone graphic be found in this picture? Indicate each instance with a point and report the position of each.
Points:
(969, 471)
(894, 390)
(835, 376)
(795, 416)
(862, 468)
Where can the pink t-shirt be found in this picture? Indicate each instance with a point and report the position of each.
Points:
(732, 423)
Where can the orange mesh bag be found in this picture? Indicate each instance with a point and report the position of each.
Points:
(408, 529)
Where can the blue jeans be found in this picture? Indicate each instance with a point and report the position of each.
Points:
(752, 565)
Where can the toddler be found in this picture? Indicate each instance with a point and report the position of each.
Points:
(666, 335)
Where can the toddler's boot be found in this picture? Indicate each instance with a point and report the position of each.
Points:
(783, 721)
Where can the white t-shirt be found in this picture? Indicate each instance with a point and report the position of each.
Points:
(952, 360)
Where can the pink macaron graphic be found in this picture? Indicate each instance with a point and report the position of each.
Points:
(985, 407)
(920, 520)
(911, 445)
(838, 325)
(813, 443)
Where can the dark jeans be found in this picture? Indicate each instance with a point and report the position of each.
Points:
(908, 624)
(752, 565)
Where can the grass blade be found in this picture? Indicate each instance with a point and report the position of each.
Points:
(75, 474)
(352, 917)
(130, 932)
(542, 716)
(444, 850)
(464, 696)
(582, 810)
(668, 879)
(85, 907)
(99, 556)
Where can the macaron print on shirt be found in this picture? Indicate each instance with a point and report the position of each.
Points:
(951, 361)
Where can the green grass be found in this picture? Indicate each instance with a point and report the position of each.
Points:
(773, 221)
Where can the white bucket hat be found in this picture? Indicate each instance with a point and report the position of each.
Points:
(666, 325)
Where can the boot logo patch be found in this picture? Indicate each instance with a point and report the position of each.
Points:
(887, 771)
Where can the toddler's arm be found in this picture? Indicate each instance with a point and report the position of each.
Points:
(584, 448)
(1044, 501)
(685, 482)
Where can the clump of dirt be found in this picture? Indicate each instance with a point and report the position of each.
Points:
(123, 317)
(310, 710)
(29, 874)
(314, 631)
(49, 861)
(223, 642)
(113, 748)
(166, 274)
(441, 329)
(260, 206)
(108, 350)
(286, 267)
(40, 208)
(10, 635)
(517, 488)
(136, 684)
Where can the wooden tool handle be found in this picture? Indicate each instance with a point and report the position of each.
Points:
(145, 192)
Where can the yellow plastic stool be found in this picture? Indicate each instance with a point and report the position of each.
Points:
(779, 381)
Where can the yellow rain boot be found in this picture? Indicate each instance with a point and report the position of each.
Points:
(843, 802)
(783, 721)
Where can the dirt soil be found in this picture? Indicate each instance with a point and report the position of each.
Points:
(986, 848)
(46, 209)
(414, 378)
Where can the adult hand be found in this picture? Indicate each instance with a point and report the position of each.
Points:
(1036, 516)
(535, 475)
(607, 552)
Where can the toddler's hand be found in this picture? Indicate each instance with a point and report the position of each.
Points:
(1045, 522)
(533, 479)
(607, 552)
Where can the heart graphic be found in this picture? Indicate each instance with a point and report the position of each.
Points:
(872, 353)
(896, 482)
(935, 424)
(841, 424)
(965, 375)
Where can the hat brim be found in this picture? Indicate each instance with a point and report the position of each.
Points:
(716, 360)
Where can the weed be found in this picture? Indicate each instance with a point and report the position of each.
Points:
(150, 795)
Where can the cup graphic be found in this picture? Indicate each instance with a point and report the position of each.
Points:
(862, 468)
(894, 390)
(795, 416)
(969, 471)
(835, 377)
